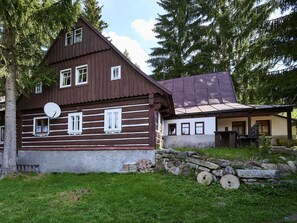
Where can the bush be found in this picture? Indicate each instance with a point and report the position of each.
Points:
(265, 146)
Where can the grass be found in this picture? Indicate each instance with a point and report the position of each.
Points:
(241, 154)
(152, 197)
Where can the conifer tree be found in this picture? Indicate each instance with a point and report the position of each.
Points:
(26, 26)
(93, 13)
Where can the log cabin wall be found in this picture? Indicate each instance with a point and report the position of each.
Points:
(134, 134)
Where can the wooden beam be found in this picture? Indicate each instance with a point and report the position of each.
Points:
(249, 124)
(289, 127)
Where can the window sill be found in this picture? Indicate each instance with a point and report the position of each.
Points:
(112, 131)
(41, 135)
(74, 133)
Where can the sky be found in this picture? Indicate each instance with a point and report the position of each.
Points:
(130, 24)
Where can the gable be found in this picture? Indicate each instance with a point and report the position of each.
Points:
(90, 44)
(99, 61)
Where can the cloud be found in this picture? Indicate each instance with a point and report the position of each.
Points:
(136, 53)
(144, 28)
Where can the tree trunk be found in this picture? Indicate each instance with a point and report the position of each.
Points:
(9, 153)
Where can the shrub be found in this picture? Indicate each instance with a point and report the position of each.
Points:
(265, 146)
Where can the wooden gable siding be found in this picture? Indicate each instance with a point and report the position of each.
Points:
(90, 44)
(99, 87)
(134, 134)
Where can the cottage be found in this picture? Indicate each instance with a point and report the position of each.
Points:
(207, 113)
(100, 115)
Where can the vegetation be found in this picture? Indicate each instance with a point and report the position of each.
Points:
(240, 154)
(93, 13)
(237, 36)
(25, 28)
(152, 197)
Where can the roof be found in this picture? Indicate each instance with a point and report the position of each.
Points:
(209, 94)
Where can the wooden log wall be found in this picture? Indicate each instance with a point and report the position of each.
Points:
(134, 134)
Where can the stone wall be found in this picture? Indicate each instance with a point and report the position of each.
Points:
(248, 172)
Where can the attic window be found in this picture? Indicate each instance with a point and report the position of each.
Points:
(116, 73)
(78, 35)
(69, 38)
(38, 88)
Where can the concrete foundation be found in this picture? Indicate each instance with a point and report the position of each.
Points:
(192, 141)
(83, 161)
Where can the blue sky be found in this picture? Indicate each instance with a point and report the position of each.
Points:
(130, 27)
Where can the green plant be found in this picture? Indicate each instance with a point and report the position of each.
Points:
(265, 146)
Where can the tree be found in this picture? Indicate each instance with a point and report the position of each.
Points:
(26, 26)
(92, 12)
(126, 53)
(174, 30)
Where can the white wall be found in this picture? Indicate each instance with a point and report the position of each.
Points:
(209, 125)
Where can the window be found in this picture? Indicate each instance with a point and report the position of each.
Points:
(113, 120)
(41, 126)
(264, 127)
(199, 128)
(116, 73)
(38, 88)
(239, 127)
(81, 74)
(172, 129)
(75, 123)
(69, 38)
(185, 128)
(78, 35)
(2, 128)
(65, 78)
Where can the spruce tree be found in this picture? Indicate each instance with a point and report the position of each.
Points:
(26, 26)
(92, 12)
(173, 29)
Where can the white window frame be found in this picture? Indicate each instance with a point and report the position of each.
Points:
(77, 74)
(2, 131)
(62, 78)
(108, 119)
(112, 70)
(34, 126)
(75, 39)
(66, 37)
(38, 88)
(70, 123)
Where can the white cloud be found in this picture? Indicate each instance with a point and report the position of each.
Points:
(144, 28)
(136, 53)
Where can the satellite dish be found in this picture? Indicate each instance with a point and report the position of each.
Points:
(52, 110)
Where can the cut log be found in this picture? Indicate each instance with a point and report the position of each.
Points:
(205, 178)
(230, 182)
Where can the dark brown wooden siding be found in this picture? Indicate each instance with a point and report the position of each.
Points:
(135, 127)
(99, 86)
(90, 44)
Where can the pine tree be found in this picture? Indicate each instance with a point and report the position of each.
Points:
(174, 30)
(26, 26)
(92, 12)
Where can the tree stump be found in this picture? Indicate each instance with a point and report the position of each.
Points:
(205, 178)
(230, 182)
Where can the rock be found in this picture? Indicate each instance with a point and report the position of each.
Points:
(283, 158)
(229, 170)
(218, 173)
(158, 156)
(284, 168)
(174, 170)
(205, 178)
(266, 174)
(207, 164)
(168, 155)
(192, 153)
(230, 182)
(186, 170)
(169, 150)
(182, 155)
(192, 165)
(269, 166)
(223, 163)
(203, 169)
(292, 166)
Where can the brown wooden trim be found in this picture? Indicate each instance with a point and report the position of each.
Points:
(203, 128)
(181, 128)
(152, 127)
(98, 148)
(289, 126)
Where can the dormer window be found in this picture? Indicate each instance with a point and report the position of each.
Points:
(38, 88)
(116, 73)
(78, 35)
(65, 78)
(69, 38)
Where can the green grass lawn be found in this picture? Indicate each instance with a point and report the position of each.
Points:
(152, 197)
(241, 154)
